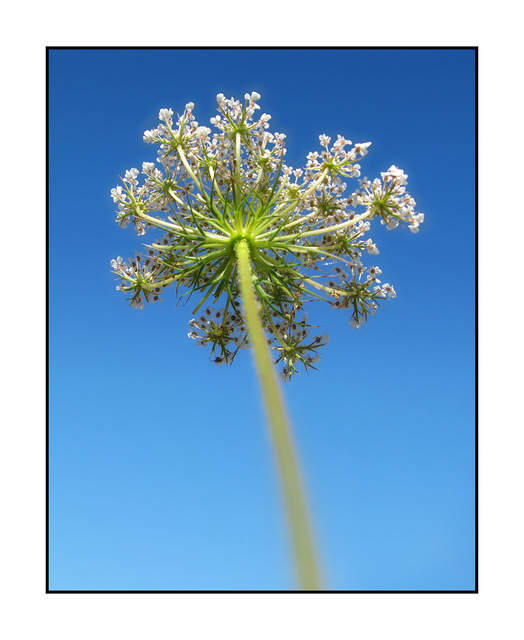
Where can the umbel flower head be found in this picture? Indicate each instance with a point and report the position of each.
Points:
(306, 233)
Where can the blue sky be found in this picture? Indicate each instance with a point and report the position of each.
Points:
(161, 475)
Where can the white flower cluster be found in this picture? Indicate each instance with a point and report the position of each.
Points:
(388, 199)
(140, 277)
(224, 332)
(306, 235)
(296, 346)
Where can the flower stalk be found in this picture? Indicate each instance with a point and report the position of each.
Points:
(301, 534)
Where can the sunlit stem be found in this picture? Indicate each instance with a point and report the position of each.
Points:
(317, 285)
(157, 222)
(236, 185)
(237, 154)
(323, 230)
(162, 283)
(213, 180)
(286, 458)
(180, 202)
(316, 184)
(196, 178)
(176, 228)
(187, 167)
(312, 187)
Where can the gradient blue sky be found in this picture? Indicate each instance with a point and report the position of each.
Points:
(161, 475)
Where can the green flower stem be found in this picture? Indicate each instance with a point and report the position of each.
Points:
(336, 227)
(323, 287)
(286, 457)
(195, 179)
(306, 193)
(151, 286)
(168, 226)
